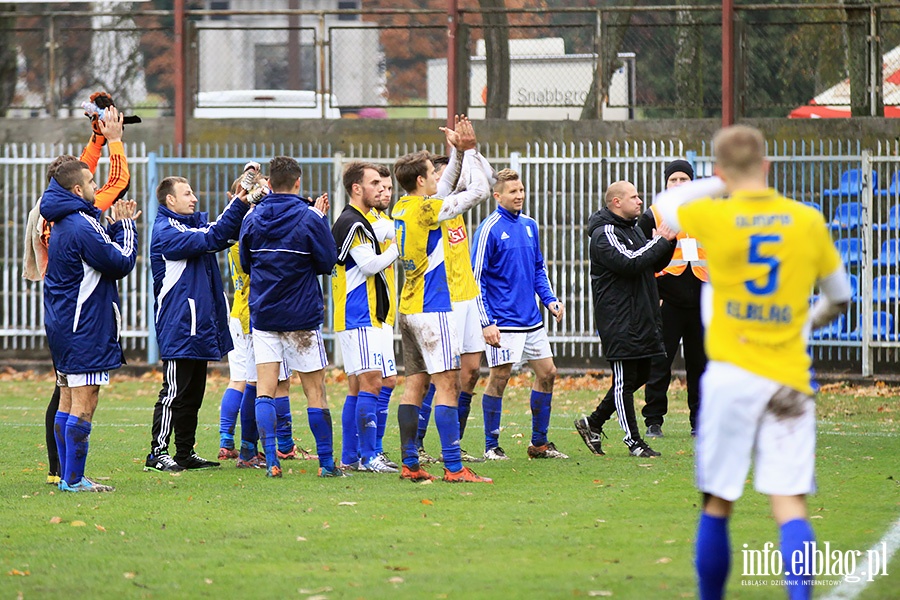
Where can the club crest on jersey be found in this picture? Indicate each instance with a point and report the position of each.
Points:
(456, 235)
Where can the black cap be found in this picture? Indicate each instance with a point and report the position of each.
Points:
(679, 166)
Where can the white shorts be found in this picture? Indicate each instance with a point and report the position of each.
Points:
(302, 351)
(468, 326)
(241, 360)
(362, 350)
(430, 343)
(74, 380)
(738, 424)
(516, 346)
(386, 343)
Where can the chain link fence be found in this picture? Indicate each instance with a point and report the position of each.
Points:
(542, 60)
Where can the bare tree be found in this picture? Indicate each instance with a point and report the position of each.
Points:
(607, 61)
(688, 78)
(8, 70)
(496, 42)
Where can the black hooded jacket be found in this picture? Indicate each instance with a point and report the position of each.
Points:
(626, 303)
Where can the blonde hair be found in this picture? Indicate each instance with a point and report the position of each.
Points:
(504, 176)
(739, 150)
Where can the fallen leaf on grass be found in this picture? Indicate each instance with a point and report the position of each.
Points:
(604, 593)
(128, 575)
(395, 580)
(426, 482)
(78, 523)
(301, 538)
(346, 503)
(208, 581)
(19, 573)
(645, 465)
(664, 560)
(427, 501)
(55, 520)
(319, 597)
(817, 517)
(100, 527)
(390, 568)
(320, 590)
(325, 525)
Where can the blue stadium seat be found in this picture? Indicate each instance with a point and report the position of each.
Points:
(886, 288)
(883, 326)
(854, 286)
(832, 331)
(851, 184)
(847, 215)
(814, 205)
(893, 220)
(894, 188)
(850, 250)
(889, 255)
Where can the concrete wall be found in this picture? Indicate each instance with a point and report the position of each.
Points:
(343, 132)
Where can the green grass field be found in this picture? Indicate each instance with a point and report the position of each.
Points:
(590, 526)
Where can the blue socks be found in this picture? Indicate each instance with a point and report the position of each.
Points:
(284, 427)
(349, 439)
(540, 416)
(366, 425)
(408, 418)
(320, 424)
(793, 536)
(266, 424)
(464, 406)
(228, 412)
(249, 435)
(425, 413)
(77, 434)
(384, 399)
(59, 432)
(446, 419)
(713, 556)
(492, 407)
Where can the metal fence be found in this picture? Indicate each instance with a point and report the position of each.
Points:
(648, 61)
(857, 190)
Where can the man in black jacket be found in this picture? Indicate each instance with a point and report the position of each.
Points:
(626, 309)
(679, 287)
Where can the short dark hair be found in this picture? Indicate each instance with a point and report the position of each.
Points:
(440, 160)
(283, 172)
(69, 174)
(355, 172)
(167, 187)
(409, 168)
(57, 162)
(383, 171)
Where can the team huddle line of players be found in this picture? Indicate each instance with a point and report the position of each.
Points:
(457, 299)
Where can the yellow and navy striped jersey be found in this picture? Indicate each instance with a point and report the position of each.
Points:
(354, 296)
(420, 240)
(389, 273)
(765, 254)
(240, 307)
(460, 277)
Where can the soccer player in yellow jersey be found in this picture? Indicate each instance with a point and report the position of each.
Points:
(427, 326)
(362, 303)
(765, 253)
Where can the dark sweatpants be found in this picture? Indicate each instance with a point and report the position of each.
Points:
(628, 376)
(678, 324)
(184, 382)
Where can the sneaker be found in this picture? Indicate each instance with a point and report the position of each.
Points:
(53, 480)
(654, 431)
(465, 475)
(85, 485)
(388, 461)
(254, 463)
(377, 465)
(547, 450)
(416, 474)
(591, 436)
(333, 472)
(290, 455)
(274, 471)
(495, 454)
(466, 457)
(195, 462)
(640, 448)
(228, 453)
(425, 458)
(354, 466)
(162, 463)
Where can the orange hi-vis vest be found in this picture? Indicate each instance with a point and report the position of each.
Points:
(677, 265)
